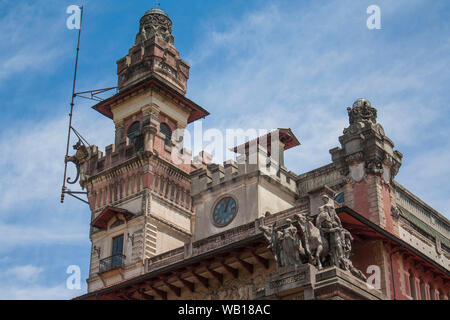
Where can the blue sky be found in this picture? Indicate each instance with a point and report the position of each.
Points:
(258, 64)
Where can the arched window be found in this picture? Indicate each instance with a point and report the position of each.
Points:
(132, 130)
(116, 223)
(165, 130)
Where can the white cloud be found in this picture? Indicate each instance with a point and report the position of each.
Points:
(33, 170)
(31, 179)
(426, 175)
(22, 44)
(274, 67)
(52, 233)
(37, 292)
(27, 273)
(5, 259)
(283, 66)
(22, 283)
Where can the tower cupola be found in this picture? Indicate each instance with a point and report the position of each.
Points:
(155, 22)
(153, 55)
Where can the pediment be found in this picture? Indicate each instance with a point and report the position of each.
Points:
(101, 221)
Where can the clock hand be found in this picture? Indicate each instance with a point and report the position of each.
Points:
(226, 208)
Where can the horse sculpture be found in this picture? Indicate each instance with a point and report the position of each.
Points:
(325, 243)
(316, 245)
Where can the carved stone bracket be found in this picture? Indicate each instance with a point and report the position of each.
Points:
(374, 167)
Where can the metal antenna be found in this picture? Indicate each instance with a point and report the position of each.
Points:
(81, 141)
(63, 191)
(157, 4)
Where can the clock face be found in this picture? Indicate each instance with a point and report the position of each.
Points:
(224, 211)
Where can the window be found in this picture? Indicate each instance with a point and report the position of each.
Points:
(132, 130)
(165, 130)
(117, 223)
(340, 198)
(412, 286)
(117, 259)
(117, 247)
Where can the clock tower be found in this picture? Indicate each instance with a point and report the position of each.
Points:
(239, 192)
(138, 190)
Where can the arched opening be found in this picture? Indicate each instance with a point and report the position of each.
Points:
(165, 130)
(132, 130)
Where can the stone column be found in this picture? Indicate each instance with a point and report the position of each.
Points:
(150, 126)
(119, 132)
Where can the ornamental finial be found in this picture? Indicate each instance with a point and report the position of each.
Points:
(362, 111)
(155, 22)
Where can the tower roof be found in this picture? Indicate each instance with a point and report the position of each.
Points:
(156, 11)
(285, 135)
(196, 112)
(155, 22)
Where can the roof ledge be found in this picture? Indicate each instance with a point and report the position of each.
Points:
(107, 214)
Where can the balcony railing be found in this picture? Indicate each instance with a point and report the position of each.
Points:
(113, 262)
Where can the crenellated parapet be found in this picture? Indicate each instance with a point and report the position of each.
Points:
(113, 156)
(127, 151)
(247, 165)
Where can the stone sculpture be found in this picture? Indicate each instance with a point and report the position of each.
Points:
(315, 243)
(286, 244)
(323, 244)
(331, 229)
(79, 158)
(157, 23)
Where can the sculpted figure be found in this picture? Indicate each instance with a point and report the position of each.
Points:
(290, 246)
(285, 244)
(347, 243)
(347, 264)
(272, 236)
(331, 229)
(79, 158)
(316, 246)
(326, 243)
(144, 34)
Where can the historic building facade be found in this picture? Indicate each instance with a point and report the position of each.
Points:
(166, 227)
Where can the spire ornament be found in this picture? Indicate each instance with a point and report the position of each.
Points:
(362, 116)
(155, 22)
(362, 111)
